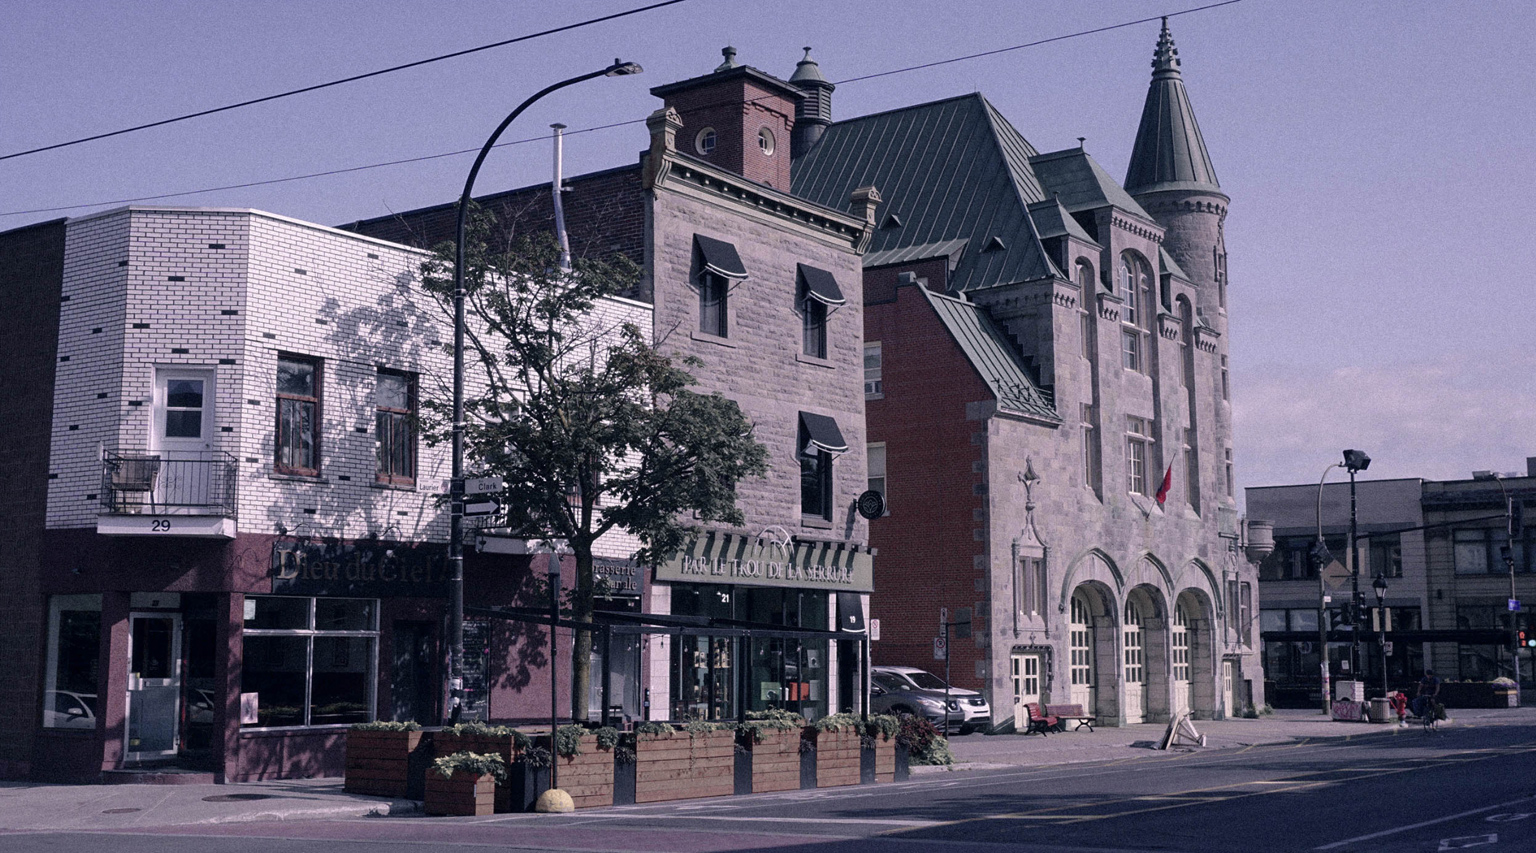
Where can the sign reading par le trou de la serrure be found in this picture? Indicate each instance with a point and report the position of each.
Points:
(748, 561)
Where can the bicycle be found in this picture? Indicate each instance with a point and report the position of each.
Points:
(1428, 712)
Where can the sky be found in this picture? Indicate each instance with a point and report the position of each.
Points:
(1378, 154)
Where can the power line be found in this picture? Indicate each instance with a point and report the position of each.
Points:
(593, 129)
(351, 79)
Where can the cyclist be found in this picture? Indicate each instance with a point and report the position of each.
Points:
(1424, 699)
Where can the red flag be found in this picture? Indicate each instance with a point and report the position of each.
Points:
(1162, 491)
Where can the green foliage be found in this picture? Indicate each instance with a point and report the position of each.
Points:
(654, 728)
(607, 737)
(473, 763)
(568, 740)
(779, 719)
(838, 723)
(937, 753)
(883, 726)
(387, 726)
(923, 742)
(536, 756)
(476, 728)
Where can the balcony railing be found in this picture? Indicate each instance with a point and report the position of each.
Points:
(134, 483)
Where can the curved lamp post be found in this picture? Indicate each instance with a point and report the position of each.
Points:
(1380, 585)
(1318, 549)
(456, 486)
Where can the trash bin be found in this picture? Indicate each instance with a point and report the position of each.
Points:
(1381, 711)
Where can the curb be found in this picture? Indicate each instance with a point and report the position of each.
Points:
(383, 808)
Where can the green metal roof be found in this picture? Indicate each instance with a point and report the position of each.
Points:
(1080, 183)
(992, 356)
(1169, 153)
(1053, 220)
(954, 250)
(949, 170)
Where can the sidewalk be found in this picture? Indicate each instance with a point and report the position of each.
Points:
(27, 806)
(981, 752)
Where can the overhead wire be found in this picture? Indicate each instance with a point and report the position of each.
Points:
(592, 129)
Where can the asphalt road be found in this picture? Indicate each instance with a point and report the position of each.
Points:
(1459, 788)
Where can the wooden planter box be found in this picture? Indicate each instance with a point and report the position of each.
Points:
(379, 764)
(525, 783)
(837, 757)
(771, 764)
(587, 777)
(461, 795)
(877, 763)
(680, 766)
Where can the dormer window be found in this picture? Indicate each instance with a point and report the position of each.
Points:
(705, 141)
(765, 141)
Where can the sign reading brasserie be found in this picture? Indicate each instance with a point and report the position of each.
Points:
(366, 569)
(749, 561)
(616, 577)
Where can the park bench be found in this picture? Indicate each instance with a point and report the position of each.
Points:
(1066, 713)
(1039, 721)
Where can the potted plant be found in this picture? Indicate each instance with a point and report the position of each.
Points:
(698, 760)
(379, 758)
(834, 740)
(586, 764)
(464, 783)
(768, 752)
(527, 758)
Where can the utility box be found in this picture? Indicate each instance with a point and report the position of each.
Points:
(1354, 691)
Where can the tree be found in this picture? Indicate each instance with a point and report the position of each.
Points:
(592, 428)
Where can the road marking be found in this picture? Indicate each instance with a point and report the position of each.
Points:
(870, 821)
(1422, 824)
(1468, 841)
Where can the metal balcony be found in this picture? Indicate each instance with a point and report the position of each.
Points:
(168, 494)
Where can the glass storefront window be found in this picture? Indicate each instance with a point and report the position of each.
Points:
(311, 661)
(74, 656)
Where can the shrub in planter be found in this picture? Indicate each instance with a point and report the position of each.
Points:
(768, 751)
(684, 764)
(464, 783)
(586, 764)
(836, 741)
(923, 742)
(877, 757)
(527, 759)
(379, 758)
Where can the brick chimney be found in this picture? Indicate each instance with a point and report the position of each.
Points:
(737, 118)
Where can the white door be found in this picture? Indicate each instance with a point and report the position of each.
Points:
(182, 437)
(1081, 665)
(1183, 700)
(1226, 688)
(154, 685)
(1135, 665)
(1026, 687)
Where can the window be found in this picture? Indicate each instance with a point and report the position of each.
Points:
(310, 661)
(1191, 470)
(1474, 552)
(705, 141)
(714, 291)
(815, 479)
(874, 386)
(1133, 636)
(1135, 292)
(298, 416)
(1387, 557)
(1226, 385)
(394, 403)
(814, 339)
(1231, 485)
(1130, 349)
(1245, 612)
(1136, 441)
(765, 141)
(184, 401)
(876, 453)
(1092, 470)
(74, 661)
(1221, 277)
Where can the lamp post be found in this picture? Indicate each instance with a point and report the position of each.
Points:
(1508, 552)
(554, 660)
(1319, 551)
(456, 484)
(1380, 585)
(1354, 462)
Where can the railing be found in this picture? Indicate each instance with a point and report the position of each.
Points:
(135, 483)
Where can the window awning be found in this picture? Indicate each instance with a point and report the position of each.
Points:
(720, 257)
(823, 433)
(820, 285)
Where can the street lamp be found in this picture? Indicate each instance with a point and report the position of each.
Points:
(456, 485)
(1319, 550)
(1380, 585)
(1512, 531)
(1354, 462)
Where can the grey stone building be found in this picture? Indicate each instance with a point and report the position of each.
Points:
(1049, 415)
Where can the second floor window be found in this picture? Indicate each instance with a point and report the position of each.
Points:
(1136, 441)
(815, 328)
(394, 403)
(874, 384)
(714, 290)
(298, 416)
(876, 454)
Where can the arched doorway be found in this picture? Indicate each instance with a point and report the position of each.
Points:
(1183, 699)
(1201, 694)
(1084, 684)
(1134, 668)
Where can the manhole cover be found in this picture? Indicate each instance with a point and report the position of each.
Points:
(121, 811)
(235, 798)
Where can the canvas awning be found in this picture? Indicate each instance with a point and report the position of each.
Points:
(821, 286)
(720, 257)
(823, 433)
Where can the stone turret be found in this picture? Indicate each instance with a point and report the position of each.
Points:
(1171, 176)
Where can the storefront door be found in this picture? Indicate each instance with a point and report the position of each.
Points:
(154, 686)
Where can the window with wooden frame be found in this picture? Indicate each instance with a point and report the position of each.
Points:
(394, 405)
(297, 447)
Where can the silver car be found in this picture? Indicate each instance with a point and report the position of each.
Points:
(909, 690)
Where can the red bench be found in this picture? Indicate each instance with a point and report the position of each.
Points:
(1039, 721)
(1064, 713)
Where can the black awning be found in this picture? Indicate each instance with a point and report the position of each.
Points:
(719, 257)
(820, 285)
(823, 433)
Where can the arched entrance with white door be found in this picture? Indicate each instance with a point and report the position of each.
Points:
(1144, 656)
(1093, 666)
(1193, 642)
(1183, 699)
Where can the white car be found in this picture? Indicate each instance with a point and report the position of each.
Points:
(909, 690)
(65, 709)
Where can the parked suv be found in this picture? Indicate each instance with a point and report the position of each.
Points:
(909, 690)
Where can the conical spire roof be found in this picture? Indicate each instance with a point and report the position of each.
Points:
(1169, 153)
